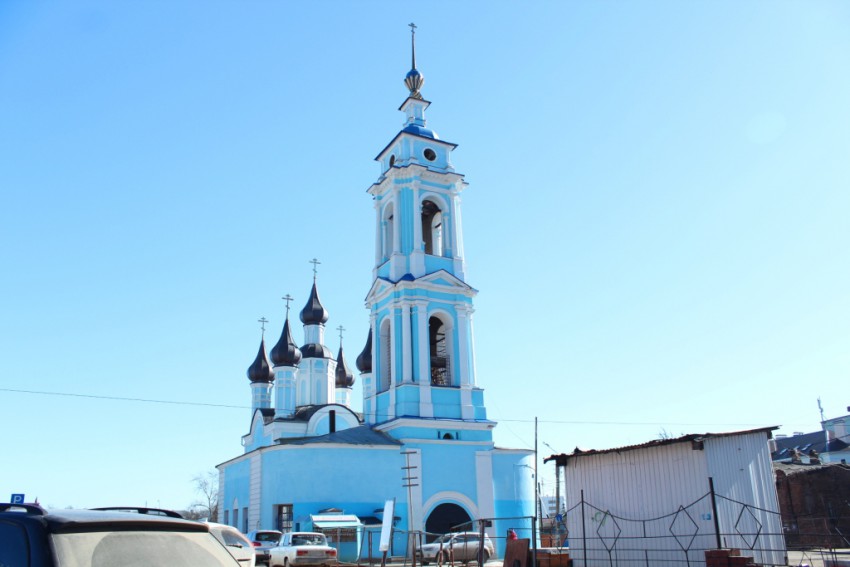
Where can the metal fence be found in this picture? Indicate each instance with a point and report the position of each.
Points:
(678, 538)
(404, 544)
(606, 539)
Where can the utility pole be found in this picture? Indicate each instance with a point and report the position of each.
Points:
(407, 481)
(536, 501)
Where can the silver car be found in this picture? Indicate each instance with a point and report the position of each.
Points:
(459, 547)
(263, 540)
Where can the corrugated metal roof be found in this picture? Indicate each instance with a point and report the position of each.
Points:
(335, 520)
(805, 442)
(562, 458)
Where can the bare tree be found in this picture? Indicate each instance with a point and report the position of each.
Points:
(206, 485)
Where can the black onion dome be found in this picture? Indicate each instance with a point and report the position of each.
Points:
(260, 370)
(364, 359)
(314, 312)
(286, 352)
(316, 350)
(344, 377)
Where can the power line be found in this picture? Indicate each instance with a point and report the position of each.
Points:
(563, 422)
(122, 399)
(230, 406)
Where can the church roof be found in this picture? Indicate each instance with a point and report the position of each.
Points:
(260, 370)
(364, 359)
(286, 352)
(316, 350)
(361, 435)
(344, 376)
(304, 413)
(314, 313)
(405, 130)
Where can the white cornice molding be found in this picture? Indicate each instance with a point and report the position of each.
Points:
(382, 288)
(436, 424)
(488, 445)
(505, 451)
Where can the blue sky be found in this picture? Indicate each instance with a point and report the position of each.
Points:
(656, 217)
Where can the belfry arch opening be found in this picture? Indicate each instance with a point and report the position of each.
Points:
(432, 228)
(438, 346)
(445, 518)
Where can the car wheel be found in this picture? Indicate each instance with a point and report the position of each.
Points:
(486, 556)
(286, 562)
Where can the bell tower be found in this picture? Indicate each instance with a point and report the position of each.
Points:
(422, 363)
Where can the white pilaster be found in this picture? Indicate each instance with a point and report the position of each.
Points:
(406, 358)
(473, 376)
(378, 228)
(417, 257)
(463, 343)
(393, 362)
(426, 407)
(466, 409)
(397, 221)
(484, 486)
(255, 486)
(457, 235)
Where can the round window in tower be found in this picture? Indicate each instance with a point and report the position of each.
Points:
(430, 154)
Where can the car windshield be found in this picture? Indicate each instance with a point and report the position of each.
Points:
(267, 536)
(309, 539)
(141, 549)
(444, 539)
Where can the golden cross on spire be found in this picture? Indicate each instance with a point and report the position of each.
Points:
(315, 267)
(287, 298)
(413, 43)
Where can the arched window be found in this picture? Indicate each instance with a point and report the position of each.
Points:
(386, 357)
(388, 232)
(432, 228)
(438, 341)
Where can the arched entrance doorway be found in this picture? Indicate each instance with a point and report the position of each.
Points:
(445, 517)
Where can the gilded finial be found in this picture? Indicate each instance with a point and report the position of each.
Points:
(414, 79)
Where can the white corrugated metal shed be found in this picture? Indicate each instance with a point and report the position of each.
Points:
(650, 504)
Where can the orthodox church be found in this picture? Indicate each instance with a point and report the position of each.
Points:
(423, 437)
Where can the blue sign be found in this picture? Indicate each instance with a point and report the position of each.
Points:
(17, 499)
(559, 518)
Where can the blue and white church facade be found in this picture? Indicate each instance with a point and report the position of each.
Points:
(423, 437)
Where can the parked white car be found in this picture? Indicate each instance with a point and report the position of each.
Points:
(303, 548)
(236, 543)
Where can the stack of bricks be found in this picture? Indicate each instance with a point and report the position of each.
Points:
(727, 558)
